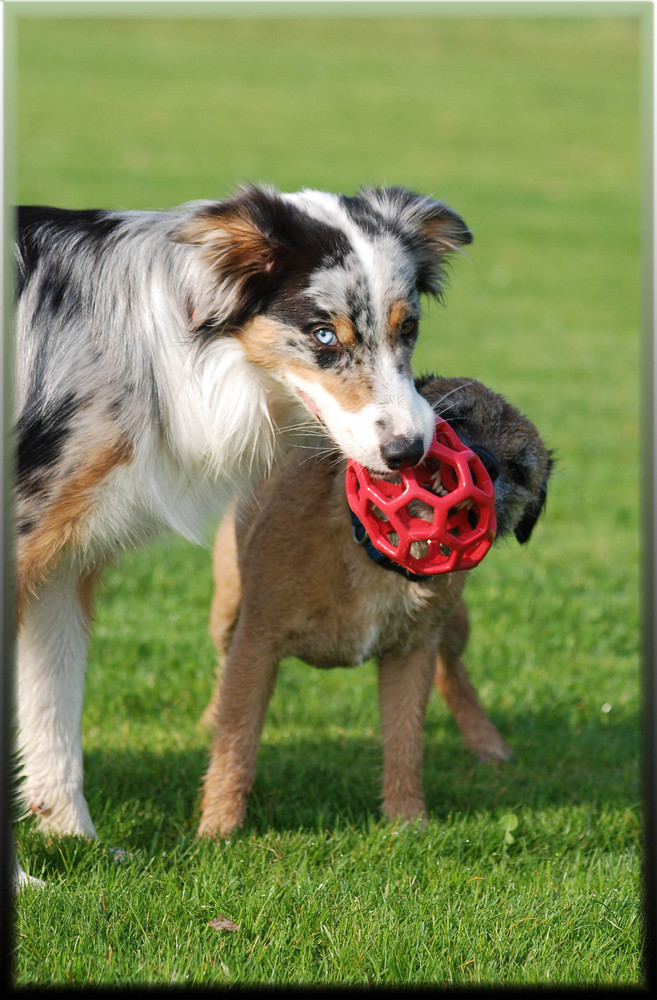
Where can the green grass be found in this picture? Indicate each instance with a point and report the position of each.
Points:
(530, 128)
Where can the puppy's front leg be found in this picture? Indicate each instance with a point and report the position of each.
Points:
(225, 603)
(247, 682)
(405, 684)
(51, 662)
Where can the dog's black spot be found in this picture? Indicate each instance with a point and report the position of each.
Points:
(40, 440)
(297, 310)
(359, 308)
(56, 294)
(25, 526)
(206, 330)
(33, 484)
(38, 226)
(328, 359)
(89, 221)
(117, 405)
(365, 215)
(57, 288)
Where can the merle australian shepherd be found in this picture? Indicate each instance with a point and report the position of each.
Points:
(160, 357)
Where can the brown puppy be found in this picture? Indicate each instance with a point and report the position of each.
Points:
(290, 581)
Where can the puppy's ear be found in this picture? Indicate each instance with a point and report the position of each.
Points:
(533, 510)
(432, 229)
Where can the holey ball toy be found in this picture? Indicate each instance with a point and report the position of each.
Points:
(433, 518)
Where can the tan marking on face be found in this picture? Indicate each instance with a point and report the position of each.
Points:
(261, 339)
(397, 313)
(262, 335)
(352, 391)
(39, 551)
(345, 331)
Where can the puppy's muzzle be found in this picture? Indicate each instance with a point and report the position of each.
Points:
(489, 462)
(401, 452)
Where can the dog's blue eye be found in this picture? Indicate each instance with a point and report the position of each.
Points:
(325, 336)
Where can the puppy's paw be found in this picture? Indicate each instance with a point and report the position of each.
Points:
(405, 810)
(489, 745)
(220, 819)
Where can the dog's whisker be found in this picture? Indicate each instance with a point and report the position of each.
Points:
(320, 454)
(307, 432)
(309, 426)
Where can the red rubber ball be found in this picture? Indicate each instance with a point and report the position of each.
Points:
(433, 518)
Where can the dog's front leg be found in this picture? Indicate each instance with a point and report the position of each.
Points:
(51, 662)
(405, 683)
(247, 681)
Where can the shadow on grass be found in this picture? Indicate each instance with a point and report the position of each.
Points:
(316, 783)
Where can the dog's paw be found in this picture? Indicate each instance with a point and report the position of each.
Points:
(19, 879)
(61, 813)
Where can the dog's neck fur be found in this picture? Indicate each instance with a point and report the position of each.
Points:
(227, 431)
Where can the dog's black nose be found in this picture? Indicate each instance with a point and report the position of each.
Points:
(490, 463)
(401, 452)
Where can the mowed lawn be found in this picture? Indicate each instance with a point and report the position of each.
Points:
(529, 872)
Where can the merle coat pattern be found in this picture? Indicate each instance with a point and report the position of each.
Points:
(161, 358)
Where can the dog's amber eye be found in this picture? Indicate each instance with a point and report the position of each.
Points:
(408, 327)
(325, 336)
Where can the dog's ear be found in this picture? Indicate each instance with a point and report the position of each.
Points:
(235, 240)
(432, 229)
(237, 236)
(247, 241)
(533, 510)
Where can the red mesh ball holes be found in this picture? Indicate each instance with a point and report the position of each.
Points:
(434, 518)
